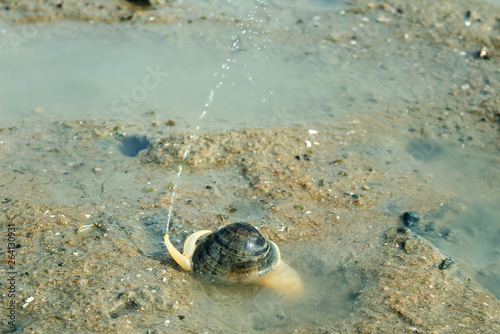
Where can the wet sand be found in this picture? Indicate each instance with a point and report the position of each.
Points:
(333, 207)
(335, 214)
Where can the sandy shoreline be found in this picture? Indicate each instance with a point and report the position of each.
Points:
(346, 206)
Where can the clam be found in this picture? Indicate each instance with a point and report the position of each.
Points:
(237, 253)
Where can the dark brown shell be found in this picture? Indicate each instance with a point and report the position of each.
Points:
(236, 253)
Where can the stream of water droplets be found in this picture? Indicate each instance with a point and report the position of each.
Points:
(246, 27)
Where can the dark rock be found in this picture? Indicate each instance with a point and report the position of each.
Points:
(447, 263)
(410, 219)
(143, 3)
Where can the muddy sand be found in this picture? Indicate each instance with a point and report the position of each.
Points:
(333, 208)
(87, 203)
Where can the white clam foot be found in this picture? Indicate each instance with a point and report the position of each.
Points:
(284, 279)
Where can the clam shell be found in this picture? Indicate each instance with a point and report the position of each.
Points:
(236, 253)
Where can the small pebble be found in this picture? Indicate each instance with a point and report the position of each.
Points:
(410, 219)
(305, 156)
(338, 162)
(447, 263)
(484, 53)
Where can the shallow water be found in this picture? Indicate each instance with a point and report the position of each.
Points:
(331, 295)
(139, 73)
(76, 70)
(467, 228)
(331, 284)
